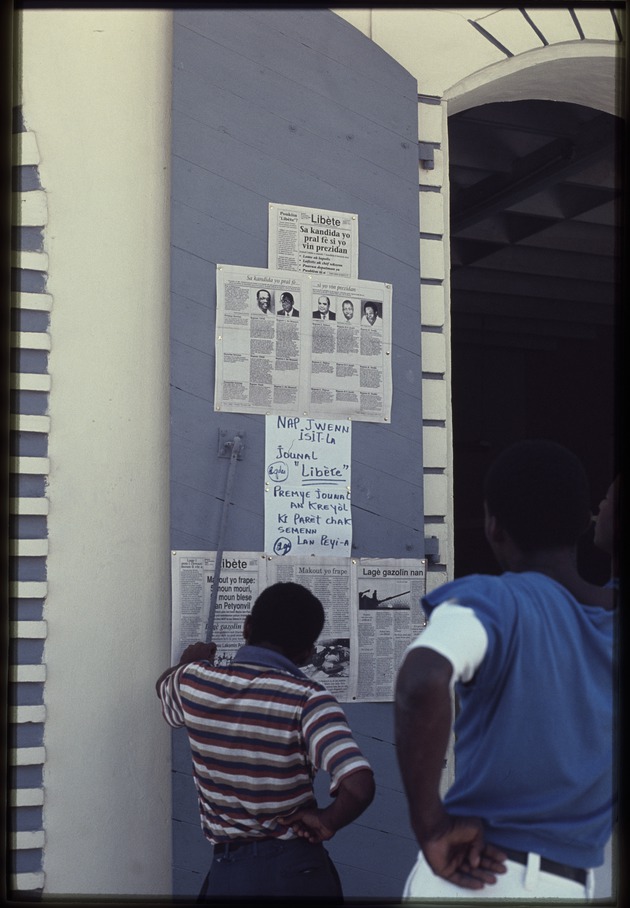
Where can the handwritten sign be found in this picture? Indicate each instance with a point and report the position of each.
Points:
(307, 486)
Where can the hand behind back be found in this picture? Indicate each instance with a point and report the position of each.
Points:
(308, 823)
(460, 855)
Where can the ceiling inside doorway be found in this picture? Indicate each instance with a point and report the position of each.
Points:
(535, 222)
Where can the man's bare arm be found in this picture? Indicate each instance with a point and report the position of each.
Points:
(453, 846)
(423, 720)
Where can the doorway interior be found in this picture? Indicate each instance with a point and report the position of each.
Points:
(535, 281)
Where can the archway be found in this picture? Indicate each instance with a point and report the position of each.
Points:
(535, 201)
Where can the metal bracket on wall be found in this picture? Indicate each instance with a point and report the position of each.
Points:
(426, 155)
(226, 443)
(432, 548)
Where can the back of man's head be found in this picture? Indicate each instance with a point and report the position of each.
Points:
(539, 493)
(286, 615)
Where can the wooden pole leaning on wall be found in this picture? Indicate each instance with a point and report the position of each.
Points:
(232, 449)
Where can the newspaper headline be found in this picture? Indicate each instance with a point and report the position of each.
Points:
(312, 239)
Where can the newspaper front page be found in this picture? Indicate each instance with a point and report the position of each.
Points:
(388, 593)
(241, 579)
(313, 240)
(372, 609)
(296, 344)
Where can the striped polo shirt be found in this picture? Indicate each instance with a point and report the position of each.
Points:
(259, 730)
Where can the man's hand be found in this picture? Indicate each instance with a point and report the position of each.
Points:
(309, 823)
(457, 853)
(198, 652)
(354, 795)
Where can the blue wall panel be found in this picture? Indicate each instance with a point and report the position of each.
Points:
(296, 107)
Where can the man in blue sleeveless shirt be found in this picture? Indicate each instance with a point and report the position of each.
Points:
(529, 654)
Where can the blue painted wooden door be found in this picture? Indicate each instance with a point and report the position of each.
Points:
(293, 106)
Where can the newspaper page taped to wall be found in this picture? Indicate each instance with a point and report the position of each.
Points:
(292, 343)
(313, 240)
(372, 608)
(388, 593)
(307, 486)
(242, 577)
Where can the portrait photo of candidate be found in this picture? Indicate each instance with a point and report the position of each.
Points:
(371, 314)
(263, 301)
(287, 304)
(323, 309)
(347, 311)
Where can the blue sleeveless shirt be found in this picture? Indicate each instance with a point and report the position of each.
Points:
(534, 733)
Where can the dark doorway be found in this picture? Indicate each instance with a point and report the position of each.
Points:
(535, 239)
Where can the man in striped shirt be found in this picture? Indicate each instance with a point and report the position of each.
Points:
(259, 730)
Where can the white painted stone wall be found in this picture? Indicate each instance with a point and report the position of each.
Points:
(96, 94)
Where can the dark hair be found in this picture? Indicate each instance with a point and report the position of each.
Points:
(539, 493)
(287, 296)
(287, 615)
